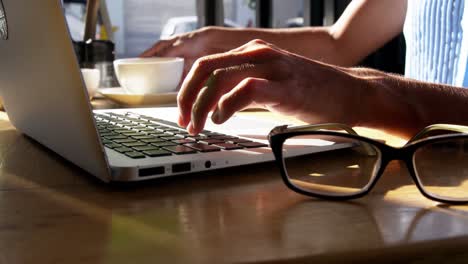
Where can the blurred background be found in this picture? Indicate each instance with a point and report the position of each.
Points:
(138, 24)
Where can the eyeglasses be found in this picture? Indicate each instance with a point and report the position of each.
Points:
(316, 161)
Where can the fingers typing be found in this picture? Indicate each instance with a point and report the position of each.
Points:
(206, 66)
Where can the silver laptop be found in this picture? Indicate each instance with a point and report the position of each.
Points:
(45, 98)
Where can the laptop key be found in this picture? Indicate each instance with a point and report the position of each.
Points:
(223, 137)
(146, 129)
(157, 153)
(195, 138)
(133, 134)
(164, 122)
(108, 134)
(126, 140)
(155, 126)
(130, 124)
(152, 140)
(122, 130)
(211, 141)
(170, 138)
(164, 144)
(209, 133)
(143, 137)
(112, 127)
(173, 131)
(182, 141)
(113, 145)
(141, 119)
(252, 145)
(180, 150)
(157, 134)
(228, 146)
(123, 149)
(189, 138)
(102, 131)
(237, 141)
(147, 123)
(135, 155)
(134, 144)
(115, 137)
(106, 141)
(203, 147)
(145, 148)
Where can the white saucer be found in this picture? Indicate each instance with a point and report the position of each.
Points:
(120, 96)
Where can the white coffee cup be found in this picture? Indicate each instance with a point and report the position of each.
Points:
(149, 75)
(91, 78)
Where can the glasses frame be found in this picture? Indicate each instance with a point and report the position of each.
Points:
(280, 134)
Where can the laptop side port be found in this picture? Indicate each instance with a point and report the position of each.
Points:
(151, 171)
(181, 167)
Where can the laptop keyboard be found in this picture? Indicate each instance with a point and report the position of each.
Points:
(139, 136)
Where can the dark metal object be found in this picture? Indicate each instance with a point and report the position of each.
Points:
(210, 13)
(79, 47)
(264, 13)
(313, 12)
(99, 51)
(92, 9)
(99, 54)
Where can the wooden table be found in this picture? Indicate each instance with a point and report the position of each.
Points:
(53, 212)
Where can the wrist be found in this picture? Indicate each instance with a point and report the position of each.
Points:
(385, 104)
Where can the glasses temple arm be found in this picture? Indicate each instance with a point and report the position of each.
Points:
(440, 127)
(328, 126)
(333, 126)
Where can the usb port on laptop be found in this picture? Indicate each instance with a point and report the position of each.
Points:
(151, 171)
(181, 167)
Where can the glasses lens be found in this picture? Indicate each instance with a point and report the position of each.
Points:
(442, 168)
(330, 165)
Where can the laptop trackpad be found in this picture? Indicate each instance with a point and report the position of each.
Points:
(245, 126)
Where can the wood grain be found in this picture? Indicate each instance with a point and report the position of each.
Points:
(53, 212)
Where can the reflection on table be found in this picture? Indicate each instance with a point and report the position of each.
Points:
(53, 212)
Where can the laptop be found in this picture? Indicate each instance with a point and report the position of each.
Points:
(45, 98)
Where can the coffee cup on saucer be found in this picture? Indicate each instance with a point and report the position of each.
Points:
(149, 75)
(91, 78)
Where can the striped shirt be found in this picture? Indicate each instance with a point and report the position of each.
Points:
(437, 47)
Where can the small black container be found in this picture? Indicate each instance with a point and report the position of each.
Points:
(99, 54)
(79, 47)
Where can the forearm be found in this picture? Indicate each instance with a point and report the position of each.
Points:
(315, 43)
(312, 42)
(365, 26)
(404, 106)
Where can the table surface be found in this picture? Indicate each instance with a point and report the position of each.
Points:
(53, 212)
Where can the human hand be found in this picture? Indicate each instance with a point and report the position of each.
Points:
(198, 43)
(260, 74)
